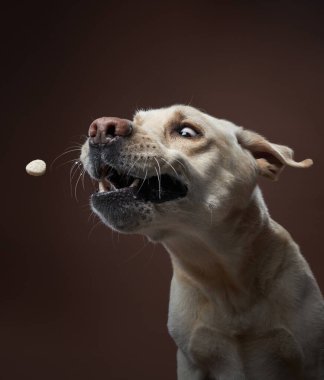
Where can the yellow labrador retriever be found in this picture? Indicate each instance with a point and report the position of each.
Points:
(244, 303)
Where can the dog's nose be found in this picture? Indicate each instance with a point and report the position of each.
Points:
(103, 130)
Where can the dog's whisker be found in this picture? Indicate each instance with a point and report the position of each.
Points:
(92, 228)
(144, 168)
(190, 101)
(180, 163)
(168, 163)
(67, 162)
(132, 166)
(62, 154)
(159, 180)
(91, 215)
(78, 144)
(76, 186)
(83, 176)
(142, 182)
(144, 165)
(132, 257)
(77, 164)
(159, 176)
(73, 169)
(112, 237)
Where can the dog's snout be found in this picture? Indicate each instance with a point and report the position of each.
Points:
(104, 129)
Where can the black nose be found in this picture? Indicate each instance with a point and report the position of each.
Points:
(103, 130)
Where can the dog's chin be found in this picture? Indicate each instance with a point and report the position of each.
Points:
(121, 210)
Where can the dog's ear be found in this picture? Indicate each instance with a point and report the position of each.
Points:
(270, 158)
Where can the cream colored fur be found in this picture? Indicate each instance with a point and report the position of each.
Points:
(244, 303)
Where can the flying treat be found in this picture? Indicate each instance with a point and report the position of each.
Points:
(36, 168)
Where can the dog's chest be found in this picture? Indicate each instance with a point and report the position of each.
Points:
(190, 313)
(189, 309)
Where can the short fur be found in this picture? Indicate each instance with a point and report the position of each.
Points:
(244, 303)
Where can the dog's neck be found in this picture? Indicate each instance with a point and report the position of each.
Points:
(217, 260)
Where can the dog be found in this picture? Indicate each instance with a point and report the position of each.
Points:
(244, 303)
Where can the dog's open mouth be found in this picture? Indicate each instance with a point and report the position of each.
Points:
(156, 189)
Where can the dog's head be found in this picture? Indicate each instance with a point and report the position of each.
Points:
(171, 167)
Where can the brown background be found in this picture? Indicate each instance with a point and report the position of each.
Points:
(78, 302)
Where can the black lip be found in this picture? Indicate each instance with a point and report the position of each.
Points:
(153, 189)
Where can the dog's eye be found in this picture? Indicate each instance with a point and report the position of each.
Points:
(187, 132)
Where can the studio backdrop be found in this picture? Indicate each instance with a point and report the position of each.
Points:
(77, 300)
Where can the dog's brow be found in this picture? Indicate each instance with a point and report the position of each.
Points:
(176, 118)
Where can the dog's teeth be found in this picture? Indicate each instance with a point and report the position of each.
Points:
(102, 187)
(135, 182)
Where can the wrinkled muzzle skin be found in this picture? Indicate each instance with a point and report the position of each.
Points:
(216, 173)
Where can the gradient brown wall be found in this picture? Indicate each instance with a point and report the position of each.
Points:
(77, 301)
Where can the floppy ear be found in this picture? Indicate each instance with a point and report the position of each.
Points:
(270, 158)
